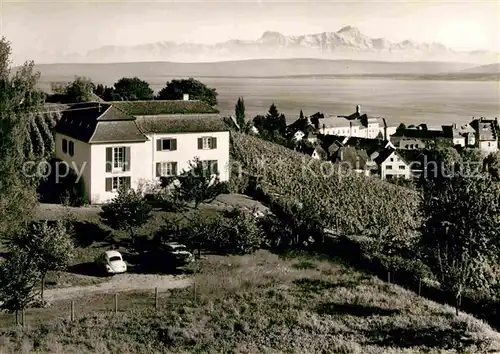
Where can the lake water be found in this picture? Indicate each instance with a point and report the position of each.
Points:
(409, 101)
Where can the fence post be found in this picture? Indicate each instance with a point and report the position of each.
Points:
(72, 311)
(156, 298)
(116, 303)
(419, 286)
(389, 277)
(22, 317)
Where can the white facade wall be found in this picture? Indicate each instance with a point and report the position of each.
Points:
(144, 156)
(80, 161)
(140, 169)
(488, 146)
(369, 132)
(187, 150)
(395, 167)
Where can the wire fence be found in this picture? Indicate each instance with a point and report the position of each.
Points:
(73, 310)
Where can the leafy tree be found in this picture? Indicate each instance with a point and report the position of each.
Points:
(80, 90)
(196, 90)
(199, 184)
(36, 139)
(46, 135)
(50, 247)
(19, 100)
(127, 211)
(441, 161)
(132, 89)
(239, 112)
(460, 232)
(18, 278)
(272, 126)
(492, 165)
(471, 162)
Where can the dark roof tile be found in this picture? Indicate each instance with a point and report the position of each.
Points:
(162, 107)
(182, 123)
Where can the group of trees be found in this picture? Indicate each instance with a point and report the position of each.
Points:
(82, 89)
(39, 249)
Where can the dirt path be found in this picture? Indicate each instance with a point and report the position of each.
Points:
(120, 283)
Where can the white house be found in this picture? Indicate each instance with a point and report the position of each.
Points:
(134, 142)
(392, 164)
(486, 138)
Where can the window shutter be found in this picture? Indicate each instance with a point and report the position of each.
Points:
(214, 143)
(109, 159)
(200, 143)
(126, 166)
(159, 145)
(158, 169)
(174, 168)
(109, 184)
(216, 167)
(173, 144)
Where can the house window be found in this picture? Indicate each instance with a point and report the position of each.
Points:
(114, 183)
(64, 146)
(166, 144)
(71, 148)
(166, 169)
(402, 167)
(118, 157)
(207, 143)
(392, 159)
(489, 144)
(388, 167)
(210, 166)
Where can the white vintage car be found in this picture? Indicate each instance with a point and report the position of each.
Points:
(112, 262)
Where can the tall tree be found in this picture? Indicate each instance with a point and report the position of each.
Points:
(461, 232)
(50, 246)
(18, 278)
(239, 112)
(196, 90)
(492, 165)
(133, 89)
(272, 126)
(301, 116)
(19, 100)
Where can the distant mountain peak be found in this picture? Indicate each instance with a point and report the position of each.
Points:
(346, 43)
(349, 29)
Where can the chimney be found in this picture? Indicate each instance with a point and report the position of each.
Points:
(358, 109)
(185, 97)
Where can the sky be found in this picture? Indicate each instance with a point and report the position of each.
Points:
(35, 26)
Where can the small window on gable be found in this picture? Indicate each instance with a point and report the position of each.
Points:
(64, 146)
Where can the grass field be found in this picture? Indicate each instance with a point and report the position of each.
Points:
(260, 304)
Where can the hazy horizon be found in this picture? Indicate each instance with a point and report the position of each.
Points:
(39, 29)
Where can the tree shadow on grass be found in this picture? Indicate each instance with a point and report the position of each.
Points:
(88, 268)
(456, 337)
(331, 308)
(86, 233)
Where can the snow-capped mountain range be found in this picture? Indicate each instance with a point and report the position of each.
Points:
(347, 43)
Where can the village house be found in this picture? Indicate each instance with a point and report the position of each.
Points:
(486, 134)
(355, 125)
(391, 164)
(132, 142)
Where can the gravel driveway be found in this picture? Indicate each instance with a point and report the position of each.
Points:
(120, 283)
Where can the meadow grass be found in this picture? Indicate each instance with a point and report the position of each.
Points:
(262, 303)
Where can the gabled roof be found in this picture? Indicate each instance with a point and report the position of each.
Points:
(485, 128)
(94, 122)
(418, 134)
(182, 123)
(383, 155)
(163, 107)
(319, 150)
(356, 159)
